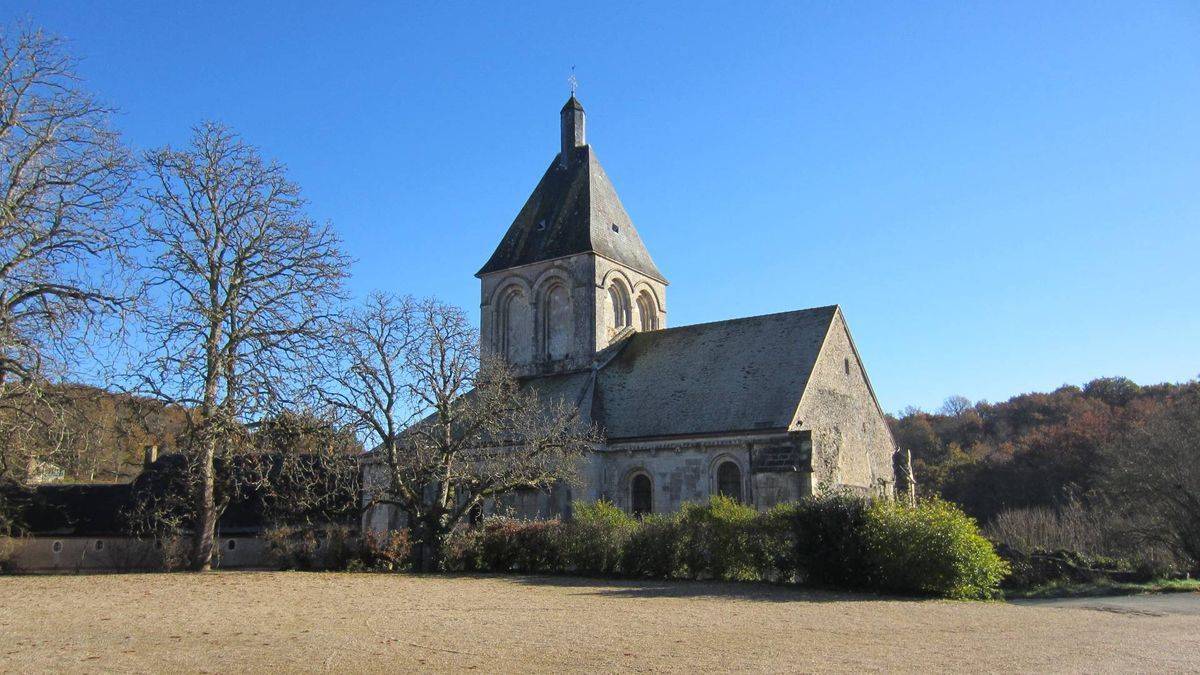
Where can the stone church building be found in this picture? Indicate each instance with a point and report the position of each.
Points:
(765, 408)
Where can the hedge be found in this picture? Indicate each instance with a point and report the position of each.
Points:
(837, 541)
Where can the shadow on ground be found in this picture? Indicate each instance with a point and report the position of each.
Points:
(632, 588)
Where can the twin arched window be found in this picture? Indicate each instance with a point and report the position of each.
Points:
(618, 305)
(517, 339)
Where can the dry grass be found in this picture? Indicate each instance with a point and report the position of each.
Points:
(227, 622)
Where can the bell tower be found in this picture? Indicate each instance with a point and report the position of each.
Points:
(571, 276)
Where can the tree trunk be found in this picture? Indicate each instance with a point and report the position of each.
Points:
(206, 510)
(432, 549)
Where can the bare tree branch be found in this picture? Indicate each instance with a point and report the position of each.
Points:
(244, 282)
(448, 430)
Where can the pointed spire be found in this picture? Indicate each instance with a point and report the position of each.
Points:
(572, 130)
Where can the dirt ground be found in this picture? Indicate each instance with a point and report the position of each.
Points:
(226, 622)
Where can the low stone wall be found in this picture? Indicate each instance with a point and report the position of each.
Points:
(120, 554)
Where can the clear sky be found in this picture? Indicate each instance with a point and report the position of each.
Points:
(1003, 197)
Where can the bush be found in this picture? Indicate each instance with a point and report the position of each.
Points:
(8, 549)
(311, 548)
(464, 550)
(498, 544)
(933, 549)
(818, 540)
(539, 547)
(715, 540)
(593, 539)
(653, 548)
(838, 540)
(389, 551)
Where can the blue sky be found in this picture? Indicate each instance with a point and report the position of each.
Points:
(1003, 197)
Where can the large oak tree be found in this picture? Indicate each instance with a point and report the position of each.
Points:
(243, 281)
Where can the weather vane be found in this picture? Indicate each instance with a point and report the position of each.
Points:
(572, 82)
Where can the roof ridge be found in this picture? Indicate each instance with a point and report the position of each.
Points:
(833, 307)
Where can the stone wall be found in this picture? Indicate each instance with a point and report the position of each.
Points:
(632, 286)
(852, 445)
(524, 316)
(687, 471)
(521, 304)
(118, 554)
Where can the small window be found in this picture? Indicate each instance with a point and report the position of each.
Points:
(99, 544)
(230, 545)
(615, 228)
(846, 365)
(56, 547)
(541, 225)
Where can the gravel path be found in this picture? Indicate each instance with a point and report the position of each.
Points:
(287, 622)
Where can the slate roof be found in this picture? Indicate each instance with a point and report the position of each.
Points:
(572, 210)
(72, 509)
(101, 509)
(728, 376)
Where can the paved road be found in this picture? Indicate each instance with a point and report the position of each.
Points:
(1157, 604)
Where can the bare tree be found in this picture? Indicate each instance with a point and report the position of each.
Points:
(64, 179)
(956, 405)
(448, 430)
(243, 280)
(1151, 474)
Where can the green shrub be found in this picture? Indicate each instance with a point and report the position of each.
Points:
(653, 550)
(772, 545)
(933, 549)
(592, 541)
(715, 540)
(837, 540)
(824, 535)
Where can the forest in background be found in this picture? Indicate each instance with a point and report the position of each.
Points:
(1079, 483)
(1033, 450)
(90, 434)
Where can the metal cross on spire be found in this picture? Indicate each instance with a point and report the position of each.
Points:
(572, 82)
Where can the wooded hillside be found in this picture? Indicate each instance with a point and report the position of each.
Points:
(1033, 449)
(91, 434)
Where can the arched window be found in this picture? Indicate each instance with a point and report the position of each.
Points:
(729, 480)
(618, 305)
(513, 329)
(557, 322)
(647, 311)
(641, 495)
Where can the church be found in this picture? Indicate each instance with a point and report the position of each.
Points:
(764, 409)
